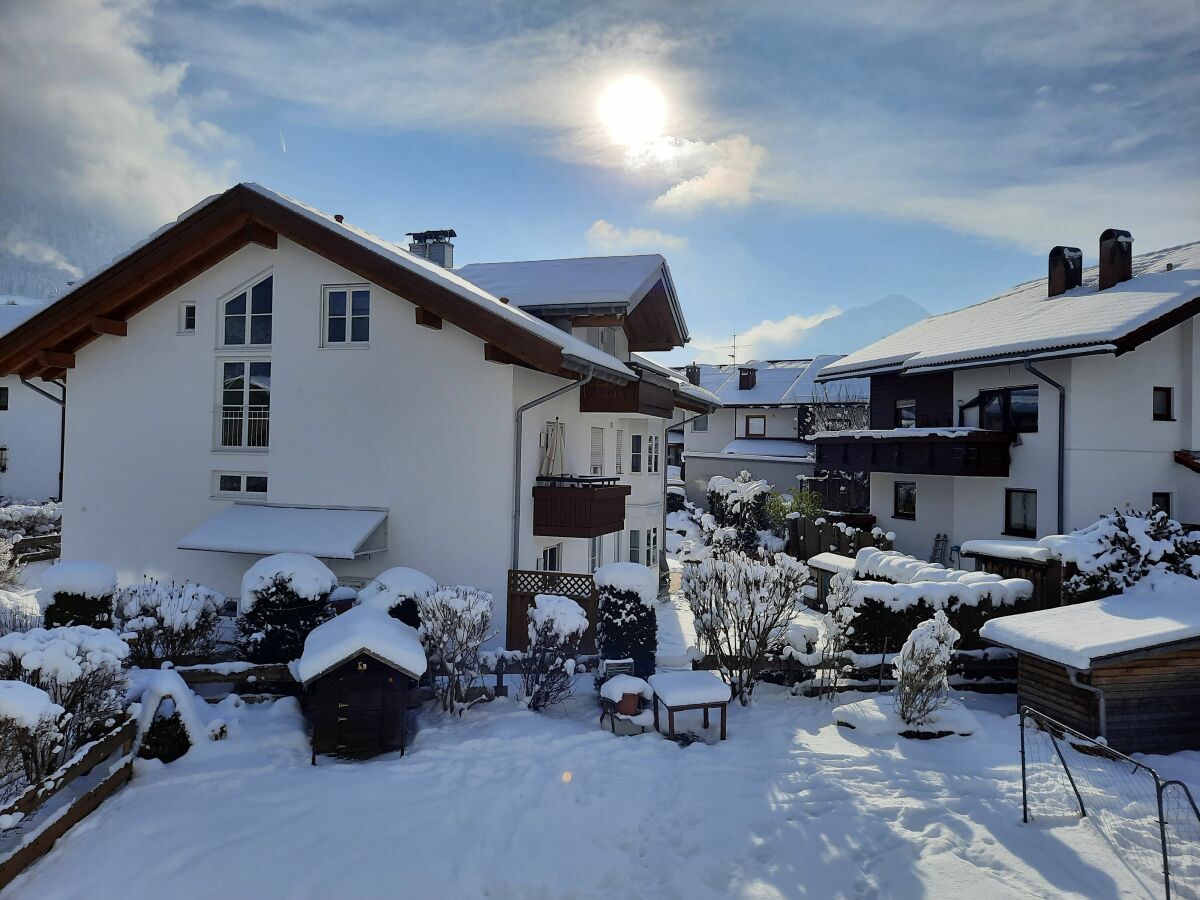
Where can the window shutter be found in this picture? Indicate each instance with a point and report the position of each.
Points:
(620, 451)
(597, 451)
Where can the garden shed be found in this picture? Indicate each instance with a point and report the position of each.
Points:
(1126, 667)
(357, 670)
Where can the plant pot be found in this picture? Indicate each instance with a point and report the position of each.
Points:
(629, 704)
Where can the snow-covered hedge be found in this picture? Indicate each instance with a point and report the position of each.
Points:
(456, 622)
(284, 597)
(29, 733)
(30, 519)
(627, 622)
(556, 625)
(397, 591)
(176, 622)
(78, 593)
(736, 510)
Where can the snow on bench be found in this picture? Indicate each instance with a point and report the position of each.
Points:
(1027, 550)
(698, 689)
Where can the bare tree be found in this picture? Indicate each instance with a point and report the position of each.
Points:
(838, 407)
(556, 625)
(921, 667)
(455, 624)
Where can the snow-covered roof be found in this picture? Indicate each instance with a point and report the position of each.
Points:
(1024, 323)
(780, 382)
(593, 280)
(1162, 608)
(1009, 548)
(768, 447)
(358, 630)
(14, 310)
(682, 385)
(263, 529)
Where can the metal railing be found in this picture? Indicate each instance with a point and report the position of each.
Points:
(245, 426)
(1152, 824)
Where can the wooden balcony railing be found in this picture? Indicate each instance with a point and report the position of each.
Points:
(579, 507)
(949, 452)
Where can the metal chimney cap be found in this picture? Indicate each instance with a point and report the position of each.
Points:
(437, 235)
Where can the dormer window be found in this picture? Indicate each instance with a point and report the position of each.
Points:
(246, 317)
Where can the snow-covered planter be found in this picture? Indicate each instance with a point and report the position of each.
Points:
(284, 597)
(397, 592)
(736, 510)
(455, 624)
(627, 623)
(78, 593)
(921, 669)
(556, 625)
(626, 693)
(176, 622)
(743, 607)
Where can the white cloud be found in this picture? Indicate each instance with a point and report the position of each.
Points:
(729, 177)
(609, 238)
(37, 252)
(769, 339)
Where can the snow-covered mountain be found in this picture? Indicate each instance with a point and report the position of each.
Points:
(859, 326)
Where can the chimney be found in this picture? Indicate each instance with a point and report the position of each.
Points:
(1066, 270)
(434, 246)
(747, 378)
(693, 374)
(1116, 257)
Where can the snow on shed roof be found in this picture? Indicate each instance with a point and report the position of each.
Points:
(779, 382)
(263, 529)
(615, 280)
(1162, 608)
(1023, 322)
(358, 630)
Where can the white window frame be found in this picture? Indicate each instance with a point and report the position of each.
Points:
(241, 493)
(653, 457)
(636, 453)
(326, 289)
(651, 541)
(700, 425)
(635, 545)
(183, 317)
(553, 552)
(219, 405)
(247, 288)
(595, 553)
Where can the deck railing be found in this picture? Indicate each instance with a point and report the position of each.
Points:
(245, 426)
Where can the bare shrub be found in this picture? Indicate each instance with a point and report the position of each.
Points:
(556, 625)
(921, 667)
(178, 622)
(455, 624)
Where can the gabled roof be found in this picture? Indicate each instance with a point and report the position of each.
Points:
(780, 382)
(1023, 323)
(638, 287)
(687, 395)
(248, 213)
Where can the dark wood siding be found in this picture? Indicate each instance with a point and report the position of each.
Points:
(934, 394)
(1047, 687)
(358, 708)
(1153, 702)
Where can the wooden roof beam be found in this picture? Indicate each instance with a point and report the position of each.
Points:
(52, 359)
(258, 233)
(613, 319)
(427, 319)
(116, 327)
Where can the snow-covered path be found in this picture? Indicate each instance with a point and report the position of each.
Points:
(484, 807)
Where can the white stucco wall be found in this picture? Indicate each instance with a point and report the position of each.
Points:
(29, 430)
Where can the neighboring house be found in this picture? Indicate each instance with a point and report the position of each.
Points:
(767, 409)
(30, 421)
(966, 438)
(260, 377)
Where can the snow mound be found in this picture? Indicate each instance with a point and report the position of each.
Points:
(64, 654)
(390, 587)
(25, 704)
(686, 688)
(307, 576)
(87, 579)
(620, 685)
(917, 580)
(361, 628)
(876, 717)
(150, 687)
(567, 618)
(627, 576)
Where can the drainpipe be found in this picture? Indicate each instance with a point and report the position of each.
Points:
(517, 435)
(62, 425)
(1062, 441)
(1073, 677)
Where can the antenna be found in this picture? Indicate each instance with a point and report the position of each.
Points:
(732, 348)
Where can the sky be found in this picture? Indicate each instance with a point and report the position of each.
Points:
(790, 160)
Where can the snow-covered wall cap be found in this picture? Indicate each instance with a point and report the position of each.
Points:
(627, 576)
(87, 579)
(916, 579)
(308, 577)
(833, 562)
(362, 629)
(1162, 608)
(25, 704)
(388, 588)
(1012, 548)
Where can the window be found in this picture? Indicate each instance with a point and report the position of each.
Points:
(1164, 404)
(635, 546)
(1020, 513)
(595, 553)
(652, 453)
(1009, 409)
(620, 452)
(3, 398)
(241, 483)
(905, 415)
(905, 506)
(652, 546)
(1161, 499)
(756, 426)
(347, 315)
(551, 560)
(597, 451)
(601, 338)
(187, 318)
(635, 453)
(700, 424)
(246, 318)
(245, 403)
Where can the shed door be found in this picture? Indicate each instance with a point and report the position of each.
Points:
(360, 707)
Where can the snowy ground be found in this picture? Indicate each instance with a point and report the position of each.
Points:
(508, 803)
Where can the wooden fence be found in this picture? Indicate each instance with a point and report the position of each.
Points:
(40, 826)
(839, 493)
(1046, 577)
(524, 585)
(38, 547)
(805, 539)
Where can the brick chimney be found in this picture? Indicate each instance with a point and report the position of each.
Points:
(1066, 270)
(1116, 257)
(434, 246)
(747, 378)
(693, 374)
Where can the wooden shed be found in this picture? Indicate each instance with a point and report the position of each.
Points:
(357, 670)
(1126, 668)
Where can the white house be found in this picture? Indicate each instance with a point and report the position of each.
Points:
(30, 421)
(259, 377)
(1039, 410)
(767, 408)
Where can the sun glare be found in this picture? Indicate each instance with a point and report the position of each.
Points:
(633, 110)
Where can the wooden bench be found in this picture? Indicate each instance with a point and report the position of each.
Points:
(681, 691)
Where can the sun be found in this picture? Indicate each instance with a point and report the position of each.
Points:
(633, 110)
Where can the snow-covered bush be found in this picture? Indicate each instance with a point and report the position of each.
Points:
(78, 593)
(626, 621)
(742, 607)
(284, 597)
(735, 506)
(556, 625)
(397, 592)
(166, 738)
(921, 667)
(455, 624)
(779, 507)
(30, 733)
(840, 613)
(80, 668)
(177, 622)
(1121, 549)
(12, 619)
(29, 519)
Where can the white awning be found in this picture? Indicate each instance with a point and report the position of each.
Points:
(260, 529)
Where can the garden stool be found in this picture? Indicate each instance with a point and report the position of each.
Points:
(679, 691)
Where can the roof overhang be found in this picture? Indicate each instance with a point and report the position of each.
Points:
(655, 320)
(266, 529)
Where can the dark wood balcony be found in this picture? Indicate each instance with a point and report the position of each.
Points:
(641, 396)
(924, 452)
(580, 507)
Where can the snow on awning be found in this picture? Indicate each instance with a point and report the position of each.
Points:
(261, 530)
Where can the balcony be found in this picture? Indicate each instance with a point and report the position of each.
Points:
(245, 426)
(642, 397)
(917, 451)
(578, 507)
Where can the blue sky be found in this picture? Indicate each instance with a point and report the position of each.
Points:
(810, 157)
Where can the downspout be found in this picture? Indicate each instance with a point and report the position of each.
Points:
(517, 436)
(62, 425)
(1062, 444)
(1073, 677)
